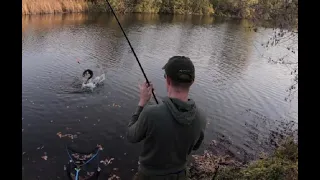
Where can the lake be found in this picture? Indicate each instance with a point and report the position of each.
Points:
(241, 93)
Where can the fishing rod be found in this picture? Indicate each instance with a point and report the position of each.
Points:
(144, 74)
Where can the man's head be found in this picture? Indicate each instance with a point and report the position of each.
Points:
(179, 74)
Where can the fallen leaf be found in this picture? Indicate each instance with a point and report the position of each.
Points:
(213, 142)
(100, 147)
(115, 169)
(45, 157)
(40, 147)
(59, 134)
(90, 173)
(75, 155)
(81, 158)
(71, 136)
(106, 161)
(113, 177)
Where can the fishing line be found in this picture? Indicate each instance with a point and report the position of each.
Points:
(144, 74)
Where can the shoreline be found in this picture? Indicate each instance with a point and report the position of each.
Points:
(42, 7)
(282, 163)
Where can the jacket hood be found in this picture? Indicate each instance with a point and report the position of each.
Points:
(183, 112)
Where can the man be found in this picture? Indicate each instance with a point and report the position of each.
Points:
(170, 130)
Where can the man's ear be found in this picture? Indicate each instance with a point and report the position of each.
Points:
(168, 79)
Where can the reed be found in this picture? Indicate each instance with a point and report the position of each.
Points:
(60, 6)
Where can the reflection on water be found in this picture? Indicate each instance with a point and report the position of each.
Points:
(241, 93)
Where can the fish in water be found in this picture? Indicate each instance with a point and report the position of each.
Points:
(92, 83)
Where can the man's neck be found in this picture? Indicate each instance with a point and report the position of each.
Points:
(183, 96)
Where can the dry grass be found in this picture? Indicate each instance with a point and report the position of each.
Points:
(54, 6)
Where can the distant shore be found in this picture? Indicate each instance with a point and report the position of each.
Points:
(30, 7)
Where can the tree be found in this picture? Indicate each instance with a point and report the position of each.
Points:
(283, 16)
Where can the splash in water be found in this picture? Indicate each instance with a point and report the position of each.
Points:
(93, 83)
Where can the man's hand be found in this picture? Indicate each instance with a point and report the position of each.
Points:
(145, 93)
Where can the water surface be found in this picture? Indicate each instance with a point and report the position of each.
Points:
(241, 93)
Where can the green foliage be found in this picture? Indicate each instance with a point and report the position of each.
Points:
(98, 6)
(147, 6)
(283, 13)
(282, 165)
(118, 5)
(202, 7)
(265, 9)
(235, 8)
(174, 6)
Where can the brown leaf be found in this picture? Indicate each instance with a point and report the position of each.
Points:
(45, 157)
(67, 135)
(59, 134)
(113, 177)
(106, 161)
(213, 142)
(100, 147)
(40, 147)
(90, 173)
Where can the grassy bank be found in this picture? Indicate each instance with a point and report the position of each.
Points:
(282, 164)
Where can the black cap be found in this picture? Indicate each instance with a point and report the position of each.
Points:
(180, 69)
